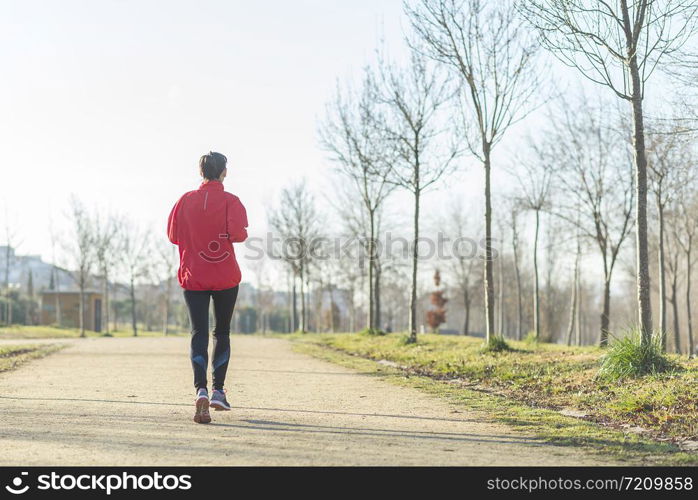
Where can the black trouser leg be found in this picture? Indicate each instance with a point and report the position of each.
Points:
(197, 303)
(223, 306)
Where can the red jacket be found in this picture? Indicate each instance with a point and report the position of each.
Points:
(204, 224)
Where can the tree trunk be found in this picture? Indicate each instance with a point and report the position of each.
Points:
(606, 313)
(294, 306)
(415, 253)
(352, 309)
(105, 301)
(132, 291)
(488, 278)
(675, 309)
(166, 312)
(536, 287)
(58, 299)
(302, 326)
(8, 306)
(116, 318)
(81, 307)
(309, 295)
(662, 274)
(377, 296)
(519, 294)
(578, 326)
(575, 289)
(371, 243)
(643, 273)
(500, 317)
(688, 300)
(573, 309)
(332, 318)
(466, 305)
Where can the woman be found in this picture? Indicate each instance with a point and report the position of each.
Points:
(204, 224)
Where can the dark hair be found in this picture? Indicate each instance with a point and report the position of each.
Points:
(212, 165)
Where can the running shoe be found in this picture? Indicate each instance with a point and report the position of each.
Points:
(218, 400)
(202, 415)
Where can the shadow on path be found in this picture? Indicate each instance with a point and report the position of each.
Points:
(253, 408)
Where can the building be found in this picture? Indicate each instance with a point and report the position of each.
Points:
(43, 273)
(69, 303)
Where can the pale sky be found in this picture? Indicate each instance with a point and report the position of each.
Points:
(114, 101)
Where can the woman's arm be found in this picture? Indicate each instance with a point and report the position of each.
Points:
(172, 223)
(237, 221)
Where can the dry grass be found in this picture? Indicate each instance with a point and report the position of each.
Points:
(546, 376)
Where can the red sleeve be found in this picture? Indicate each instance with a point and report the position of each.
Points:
(237, 221)
(172, 223)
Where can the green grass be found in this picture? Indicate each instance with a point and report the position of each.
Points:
(372, 331)
(52, 332)
(496, 344)
(630, 357)
(12, 356)
(548, 376)
(545, 424)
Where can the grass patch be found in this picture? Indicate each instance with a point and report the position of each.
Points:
(630, 357)
(372, 331)
(531, 338)
(12, 356)
(545, 424)
(496, 344)
(52, 332)
(550, 376)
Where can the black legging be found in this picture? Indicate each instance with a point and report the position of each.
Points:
(223, 305)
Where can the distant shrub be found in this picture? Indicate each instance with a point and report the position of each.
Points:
(408, 340)
(496, 344)
(372, 331)
(629, 357)
(531, 338)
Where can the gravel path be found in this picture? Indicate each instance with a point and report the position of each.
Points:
(129, 401)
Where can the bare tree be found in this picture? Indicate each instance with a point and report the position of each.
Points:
(167, 262)
(534, 178)
(297, 222)
(135, 252)
(573, 324)
(382, 263)
(555, 239)
(687, 215)
(352, 265)
(673, 273)
(10, 248)
(81, 250)
(595, 196)
(413, 98)
(55, 273)
(106, 231)
(618, 45)
(488, 49)
(464, 232)
(667, 161)
(263, 294)
(514, 213)
(501, 229)
(354, 135)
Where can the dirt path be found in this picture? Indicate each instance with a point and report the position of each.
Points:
(128, 401)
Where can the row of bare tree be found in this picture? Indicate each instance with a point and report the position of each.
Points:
(474, 71)
(105, 248)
